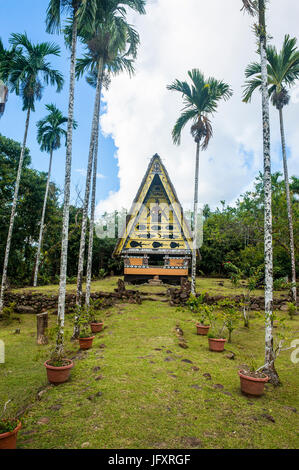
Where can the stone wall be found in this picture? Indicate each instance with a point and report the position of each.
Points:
(30, 302)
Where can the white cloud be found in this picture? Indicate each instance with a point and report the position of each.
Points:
(217, 38)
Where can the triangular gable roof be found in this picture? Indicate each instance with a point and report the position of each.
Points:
(142, 236)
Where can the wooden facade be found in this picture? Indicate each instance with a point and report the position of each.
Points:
(157, 241)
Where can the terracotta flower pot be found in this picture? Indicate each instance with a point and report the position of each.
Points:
(96, 327)
(58, 375)
(8, 440)
(86, 343)
(216, 344)
(252, 385)
(202, 329)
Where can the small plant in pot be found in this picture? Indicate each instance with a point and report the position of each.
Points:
(252, 380)
(83, 320)
(216, 339)
(58, 367)
(96, 323)
(230, 316)
(9, 428)
(205, 314)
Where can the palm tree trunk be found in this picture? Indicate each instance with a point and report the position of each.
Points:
(87, 193)
(12, 214)
(289, 207)
(41, 230)
(66, 203)
(269, 368)
(92, 213)
(194, 247)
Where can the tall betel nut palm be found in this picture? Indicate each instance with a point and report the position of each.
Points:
(26, 73)
(80, 12)
(111, 47)
(50, 132)
(283, 73)
(257, 8)
(200, 103)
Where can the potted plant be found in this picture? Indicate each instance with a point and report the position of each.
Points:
(9, 428)
(230, 316)
(205, 319)
(252, 380)
(216, 339)
(85, 336)
(96, 324)
(58, 367)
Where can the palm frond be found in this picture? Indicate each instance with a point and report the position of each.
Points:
(84, 64)
(51, 129)
(53, 16)
(250, 87)
(121, 64)
(283, 71)
(250, 6)
(28, 71)
(200, 100)
(182, 87)
(184, 118)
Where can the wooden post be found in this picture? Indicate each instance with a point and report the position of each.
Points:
(42, 326)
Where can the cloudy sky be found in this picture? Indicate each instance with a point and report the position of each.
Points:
(138, 114)
(215, 37)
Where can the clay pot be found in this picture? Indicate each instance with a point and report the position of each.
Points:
(202, 329)
(8, 440)
(216, 344)
(251, 385)
(58, 375)
(96, 327)
(86, 343)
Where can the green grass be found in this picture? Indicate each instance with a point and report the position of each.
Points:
(214, 286)
(147, 402)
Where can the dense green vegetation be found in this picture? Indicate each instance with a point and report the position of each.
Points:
(236, 234)
(25, 235)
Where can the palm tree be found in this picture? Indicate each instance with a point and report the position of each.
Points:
(258, 8)
(112, 44)
(26, 74)
(50, 130)
(200, 102)
(283, 71)
(80, 11)
(92, 80)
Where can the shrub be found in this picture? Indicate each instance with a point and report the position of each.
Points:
(205, 314)
(292, 309)
(8, 315)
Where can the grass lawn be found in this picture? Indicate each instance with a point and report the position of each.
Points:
(136, 388)
(214, 286)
